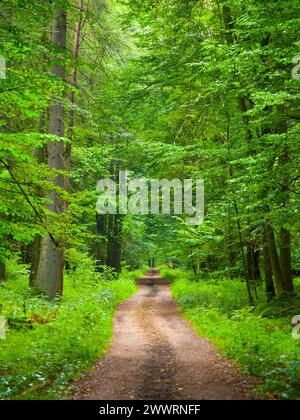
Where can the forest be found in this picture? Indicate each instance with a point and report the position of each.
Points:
(162, 89)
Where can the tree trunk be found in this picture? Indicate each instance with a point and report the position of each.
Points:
(284, 234)
(286, 260)
(101, 245)
(256, 269)
(49, 277)
(230, 240)
(35, 257)
(250, 273)
(73, 81)
(117, 244)
(110, 230)
(2, 271)
(270, 289)
(114, 243)
(251, 301)
(253, 272)
(6, 24)
(275, 261)
(40, 155)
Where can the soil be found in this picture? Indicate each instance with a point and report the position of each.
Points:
(156, 355)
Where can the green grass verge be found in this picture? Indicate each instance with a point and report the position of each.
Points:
(48, 345)
(262, 346)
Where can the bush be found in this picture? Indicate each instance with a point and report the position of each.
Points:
(48, 344)
(224, 294)
(170, 273)
(261, 346)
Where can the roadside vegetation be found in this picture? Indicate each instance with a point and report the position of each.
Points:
(163, 90)
(48, 344)
(259, 338)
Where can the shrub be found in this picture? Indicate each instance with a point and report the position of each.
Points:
(54, 342)
(261, 346)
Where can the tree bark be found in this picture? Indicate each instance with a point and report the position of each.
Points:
(230, 240)
(250, 273)
(35, 258)
(286, 260)
(40, 155)
(73, 81)
(2, 271)
(275, 261)
(101, 245)
(110, 239)
(49, 277)
(114, 243)
(270, 289)
(117, 244)
(256, 268)
(251, 301)
(284, 234)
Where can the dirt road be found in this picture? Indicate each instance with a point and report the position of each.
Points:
(155, 355)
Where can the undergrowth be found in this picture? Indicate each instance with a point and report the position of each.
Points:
(48, 344)
(258, 338)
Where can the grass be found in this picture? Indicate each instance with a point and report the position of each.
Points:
(258, 339)
(48, 345)
(170, 273)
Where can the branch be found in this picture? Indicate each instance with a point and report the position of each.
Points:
(7, 167)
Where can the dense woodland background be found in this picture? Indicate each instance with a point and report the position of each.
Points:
(199, 89)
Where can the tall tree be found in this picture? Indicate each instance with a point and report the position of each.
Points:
(49, 277)
(73, 81)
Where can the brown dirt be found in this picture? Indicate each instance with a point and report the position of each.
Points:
(155, 355)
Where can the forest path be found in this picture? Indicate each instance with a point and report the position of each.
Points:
(156, 355)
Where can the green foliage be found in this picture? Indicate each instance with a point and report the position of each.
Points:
(262, 346)
(170, 273)
(165, 89)
(211, 96)
(47, 345)
(222, 294)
